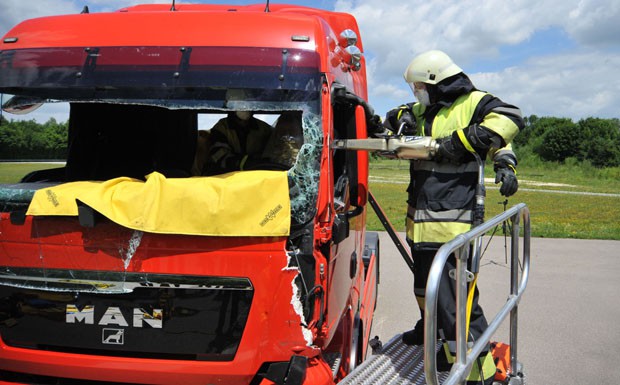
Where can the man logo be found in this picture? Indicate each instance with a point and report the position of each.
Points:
(113, 336)
(113, 316)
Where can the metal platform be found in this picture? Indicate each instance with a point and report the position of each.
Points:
(395, 364)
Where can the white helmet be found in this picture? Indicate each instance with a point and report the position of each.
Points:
(430, 67)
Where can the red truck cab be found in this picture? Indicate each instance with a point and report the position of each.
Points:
(124, 266)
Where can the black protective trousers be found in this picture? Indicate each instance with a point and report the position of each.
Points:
(446, 296)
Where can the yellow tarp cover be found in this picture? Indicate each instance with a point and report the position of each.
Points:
(249, 203)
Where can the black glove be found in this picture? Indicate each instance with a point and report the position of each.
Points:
(450, 149)
(505, 173)
(376, 128)
(400, 117)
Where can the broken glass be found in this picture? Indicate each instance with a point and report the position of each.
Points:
(201, 86)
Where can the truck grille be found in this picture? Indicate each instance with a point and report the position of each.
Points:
(133, 315)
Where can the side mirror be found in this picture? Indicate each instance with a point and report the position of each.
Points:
(22, 105)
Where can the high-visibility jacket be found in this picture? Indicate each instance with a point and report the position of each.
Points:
(230, 147)
(441, 194)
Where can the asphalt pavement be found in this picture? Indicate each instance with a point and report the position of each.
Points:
(568, 317)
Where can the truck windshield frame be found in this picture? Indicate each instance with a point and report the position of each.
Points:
(204, 79)
(170, 73)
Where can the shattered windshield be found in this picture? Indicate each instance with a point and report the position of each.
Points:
(164, 98)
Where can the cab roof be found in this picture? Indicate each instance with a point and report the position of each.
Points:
(187, 25)
(202, 25)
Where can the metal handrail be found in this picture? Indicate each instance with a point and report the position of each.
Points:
(460, 246)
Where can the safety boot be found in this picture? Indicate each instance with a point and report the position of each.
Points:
(414, 336)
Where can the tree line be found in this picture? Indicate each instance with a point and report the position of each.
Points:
(594, 140)
(27, 139)
(551, 139)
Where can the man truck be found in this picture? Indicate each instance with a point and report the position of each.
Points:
(125, 265)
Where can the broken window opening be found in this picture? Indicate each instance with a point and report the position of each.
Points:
(129, 119)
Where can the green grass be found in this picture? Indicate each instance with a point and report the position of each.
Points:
(13, 172)
(553, 215)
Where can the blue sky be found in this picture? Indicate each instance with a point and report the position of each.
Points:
(550, 58)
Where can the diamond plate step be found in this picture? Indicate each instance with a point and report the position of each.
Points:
(396, 364)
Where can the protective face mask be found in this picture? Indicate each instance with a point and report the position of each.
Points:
(422, 96)
(243, 115)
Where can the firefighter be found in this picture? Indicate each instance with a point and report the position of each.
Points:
(236, 142)
(465, 122)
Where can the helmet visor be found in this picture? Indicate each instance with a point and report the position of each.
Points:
(412, 85)
(416, 86)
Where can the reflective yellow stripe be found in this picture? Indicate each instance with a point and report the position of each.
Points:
(470, 303)
(409, 228)
(420, 297)
(446, 349)
(501, 125)
(242, 163)
(488, 369)
(513, 168)
(440, 232)
(476, 375)
(421, 302)
(495, 153)
(464, 140)
(456, 215)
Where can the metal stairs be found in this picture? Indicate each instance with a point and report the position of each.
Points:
(394, 364)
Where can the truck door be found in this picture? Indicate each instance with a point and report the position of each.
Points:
(350, 191)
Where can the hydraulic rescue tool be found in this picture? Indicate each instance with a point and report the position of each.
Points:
(397, 146)
(392, 146)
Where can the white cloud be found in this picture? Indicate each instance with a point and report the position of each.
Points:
(19, 11)
(113, 5)
(577, 84)
(569, 85)
(594, 22)
(489, 39)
